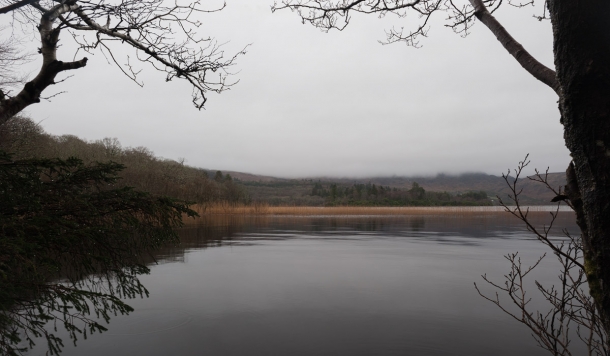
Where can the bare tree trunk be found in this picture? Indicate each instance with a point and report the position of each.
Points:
(30, 94)
(582, 58)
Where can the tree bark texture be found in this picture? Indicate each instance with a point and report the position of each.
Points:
(581, 31)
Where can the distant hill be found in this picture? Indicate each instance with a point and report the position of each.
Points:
(533, 192)
(298, 191)
(161, 176)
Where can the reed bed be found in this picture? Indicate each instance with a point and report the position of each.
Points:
(264, 209)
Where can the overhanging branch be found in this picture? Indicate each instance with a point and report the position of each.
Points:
(49, 69)
(525, 59)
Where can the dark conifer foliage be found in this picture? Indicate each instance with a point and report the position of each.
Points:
(72, 244)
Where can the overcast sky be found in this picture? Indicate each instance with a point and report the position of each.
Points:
(336, 104)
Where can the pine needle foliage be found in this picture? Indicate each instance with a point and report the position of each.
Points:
(72, 245)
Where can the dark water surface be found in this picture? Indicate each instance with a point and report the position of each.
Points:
(329, 286)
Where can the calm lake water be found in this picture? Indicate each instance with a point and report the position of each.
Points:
(330, 286)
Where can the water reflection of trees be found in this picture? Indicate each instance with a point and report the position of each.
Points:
(223, 230)
(240, 230)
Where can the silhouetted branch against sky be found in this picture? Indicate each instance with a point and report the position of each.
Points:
(460, 16)
(310, 103)
(162, 33)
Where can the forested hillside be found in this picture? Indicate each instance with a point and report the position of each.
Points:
(165, 177)
(143, 170)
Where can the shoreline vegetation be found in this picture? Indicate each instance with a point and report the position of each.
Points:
(268, 210)
(161, 177)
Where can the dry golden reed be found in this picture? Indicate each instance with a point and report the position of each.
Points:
(265, 209)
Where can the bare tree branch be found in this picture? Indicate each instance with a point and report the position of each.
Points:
(336, 14)
(521, 212)
(570, 303)
(529, 63)
(10, 59)
(50, 66)
(162, 33)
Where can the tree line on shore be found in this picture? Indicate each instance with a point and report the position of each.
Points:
(379, 195)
